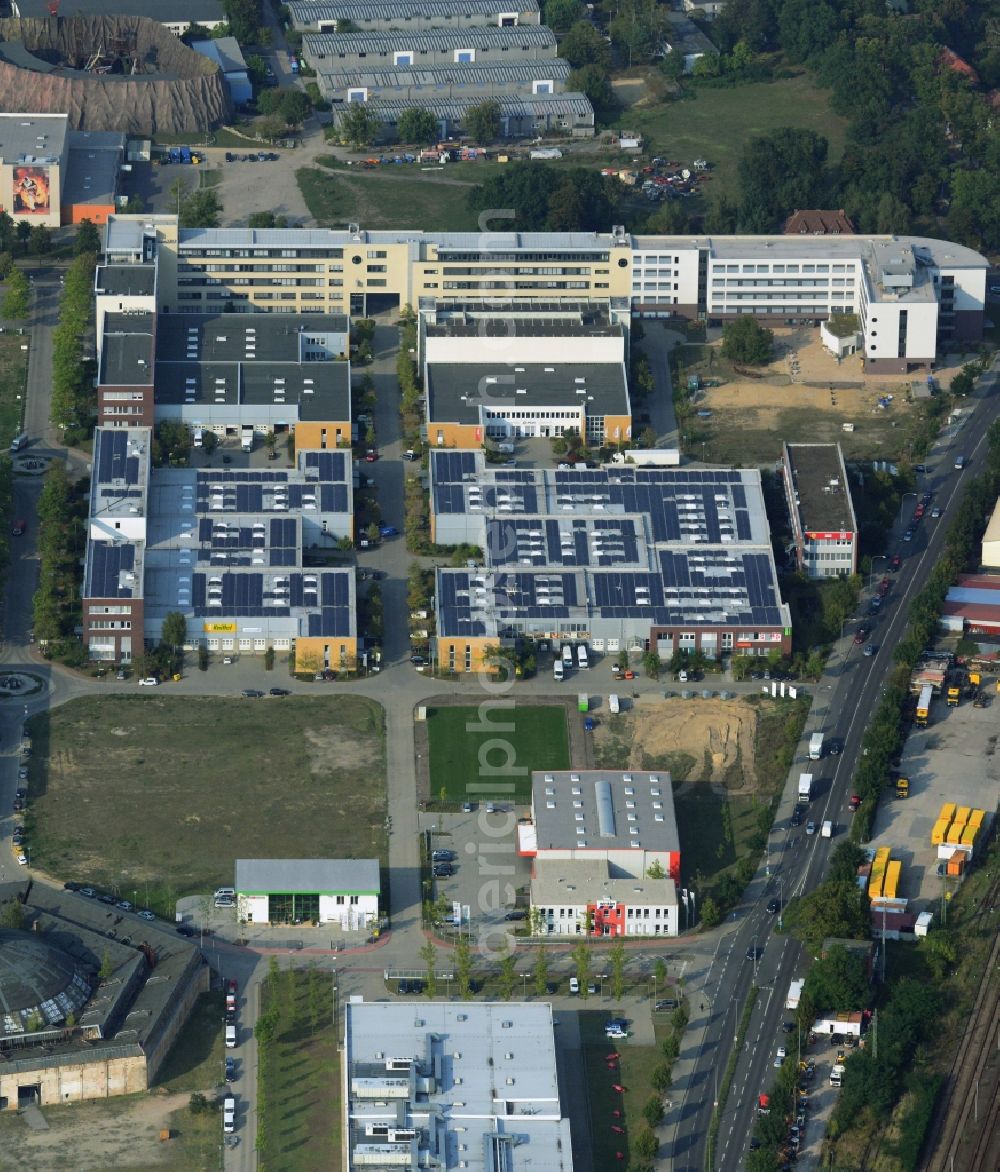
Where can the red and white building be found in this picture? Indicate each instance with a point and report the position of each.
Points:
(972, 605)
(824, 527)
(606, 853)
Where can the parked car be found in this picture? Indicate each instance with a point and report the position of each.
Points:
(896, 564)
(251, 694)
(861, 636)
(779, 1058)
(574, 986)
(516, 915)
(388, 531)
(278, 692)
(146, 914)
(442, 855)
(444, 871)
(149, 682)
(665, 1004)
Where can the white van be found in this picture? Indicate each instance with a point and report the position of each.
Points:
(581, 657)
(614, 704)
(197, 437)
(557, 671)
(19, 441)
(229, 1114)
(567, 654)
(230, 1037)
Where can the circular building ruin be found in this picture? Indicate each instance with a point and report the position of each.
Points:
(119, 73)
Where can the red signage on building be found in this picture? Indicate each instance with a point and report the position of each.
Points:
(830, 536)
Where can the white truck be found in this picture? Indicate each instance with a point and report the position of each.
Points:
(614, 704)
(816, 746)
(826, 830)
(805, 787)
(246, 438)
(837, 1075)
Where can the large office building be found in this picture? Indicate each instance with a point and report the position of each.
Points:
(913, 297)
(418, 86)
(594, 838)
(326, 16)
(490, 376)
(224, 547)
(824, 528)
(444, 1085)
(620, 557)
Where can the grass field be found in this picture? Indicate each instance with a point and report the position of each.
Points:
(13, 371)
(162, 794)
(471, 765)
(714, 124)
(386, 199)
(301, 1076)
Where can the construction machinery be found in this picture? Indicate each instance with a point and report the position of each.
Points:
(902, 787)
(924, 705)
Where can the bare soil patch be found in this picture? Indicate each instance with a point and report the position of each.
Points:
(706, 740)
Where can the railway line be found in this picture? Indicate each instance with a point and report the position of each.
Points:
(966, 1136)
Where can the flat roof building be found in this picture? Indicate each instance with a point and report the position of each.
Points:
(582, 898)
(222, 546)
(620, 557)
(316, 891)
(445, 83)
(324, 16)
(407, 49)
(177, 15)
(824, 528)
(464, 1084)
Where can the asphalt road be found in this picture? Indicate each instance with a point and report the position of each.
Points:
(846, 697)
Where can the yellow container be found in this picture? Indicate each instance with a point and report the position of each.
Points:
(891, 884)
(875, 887)
(954, 835)
(962, 814)
(947, 811)
(969, 836)
(939, 831)
(976, 819)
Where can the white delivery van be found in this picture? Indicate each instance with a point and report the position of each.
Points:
(567, 654)
(826, 830)
(229, 1114)
(557, 671)
(581, 656)
(230, 1037)
(614, 704)
(19, 441)
(198, 433)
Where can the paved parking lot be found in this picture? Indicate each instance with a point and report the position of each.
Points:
(952, 760)
(488, 871)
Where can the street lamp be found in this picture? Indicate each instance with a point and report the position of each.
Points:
(902, 502)
(879, 557)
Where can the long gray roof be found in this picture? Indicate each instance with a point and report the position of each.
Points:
(307, 12)
(471, 75)
(308, 875)
(334, 44)
(511, 105)
(174, 11)
(453, 393)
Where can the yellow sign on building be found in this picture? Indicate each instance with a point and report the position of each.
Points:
(219, 628)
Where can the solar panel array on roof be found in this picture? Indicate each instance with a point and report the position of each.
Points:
(324, 593)
(108, 569)
(330, 465)
(719, 585)
(268, 492)
(572, 542)
(250, 543)
(114, 463)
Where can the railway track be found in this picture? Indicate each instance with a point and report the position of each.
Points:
(966, 1135)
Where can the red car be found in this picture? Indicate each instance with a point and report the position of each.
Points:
(883, 587)
(232, 987)
(861, 636)
(896, 562)
(371, 455)
(855, 801)
(918, 513)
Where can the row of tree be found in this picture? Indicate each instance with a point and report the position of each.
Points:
(62, 509)
(358, 126)
(74, 404)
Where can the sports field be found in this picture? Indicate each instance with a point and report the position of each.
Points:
(469, 762)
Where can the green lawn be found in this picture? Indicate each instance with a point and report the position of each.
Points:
(300, 1076)
(387, 198)
(467, 764)
(714, 124)
(161, 794)
(633, 1072)
(13, 372)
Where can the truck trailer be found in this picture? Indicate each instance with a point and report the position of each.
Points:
(924, 705)
(805, 787)
(816, 746)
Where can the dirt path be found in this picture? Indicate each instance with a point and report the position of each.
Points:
(95, 1136)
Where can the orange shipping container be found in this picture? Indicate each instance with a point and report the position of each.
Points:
(956, 864)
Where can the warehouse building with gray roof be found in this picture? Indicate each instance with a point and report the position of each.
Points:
(411, 15)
